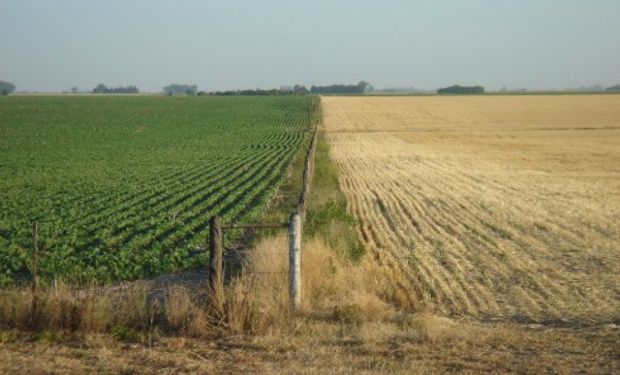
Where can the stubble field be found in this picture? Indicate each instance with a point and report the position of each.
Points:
(492, 208)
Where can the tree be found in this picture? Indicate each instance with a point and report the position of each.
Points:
(175, 89)
(613, 88)
(6, 87)
(456, 89)
(74, 90)
(103, 89)
(361, 88)
(300, 89)
(100, 89)
(365, 86)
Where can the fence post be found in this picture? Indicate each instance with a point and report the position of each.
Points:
(35, 254)
(294, 261)
(32, 318)
(216, 279)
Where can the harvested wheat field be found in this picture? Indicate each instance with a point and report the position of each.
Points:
(498, 208)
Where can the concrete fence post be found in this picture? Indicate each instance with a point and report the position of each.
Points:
(294, 261)
(216, 277)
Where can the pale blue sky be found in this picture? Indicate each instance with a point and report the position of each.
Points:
(52, 45)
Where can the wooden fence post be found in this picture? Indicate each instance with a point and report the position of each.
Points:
(33, 316)
(216, 277)
(294, 261)
(35, 254)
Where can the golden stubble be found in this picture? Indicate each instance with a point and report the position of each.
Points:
(501, 208)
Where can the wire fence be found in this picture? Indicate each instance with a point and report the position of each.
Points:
(222, 267)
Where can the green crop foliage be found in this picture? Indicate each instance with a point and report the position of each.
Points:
(123, 187)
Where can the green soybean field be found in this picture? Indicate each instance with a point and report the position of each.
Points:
(123, 186)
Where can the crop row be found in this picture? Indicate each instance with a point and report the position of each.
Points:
(134, 195)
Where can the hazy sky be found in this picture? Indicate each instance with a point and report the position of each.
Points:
(52, 45)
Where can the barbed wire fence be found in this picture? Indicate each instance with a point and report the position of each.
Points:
(295, 231)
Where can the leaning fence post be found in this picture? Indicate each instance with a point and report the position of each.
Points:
(294, 261)
(216, 277)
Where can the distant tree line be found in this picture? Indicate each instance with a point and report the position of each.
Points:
(103, 89)
(180, 89)
(361, 88)
(456, 89)
(294, 90)
(613, 88)
(403, 90)
(6, 88)
(285, 90)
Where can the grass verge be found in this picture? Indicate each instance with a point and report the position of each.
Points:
(327, 215)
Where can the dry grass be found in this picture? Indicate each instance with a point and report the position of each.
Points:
(65, 308)
(345, 327)
(255, 302)
(425, 347)
(503, 208)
